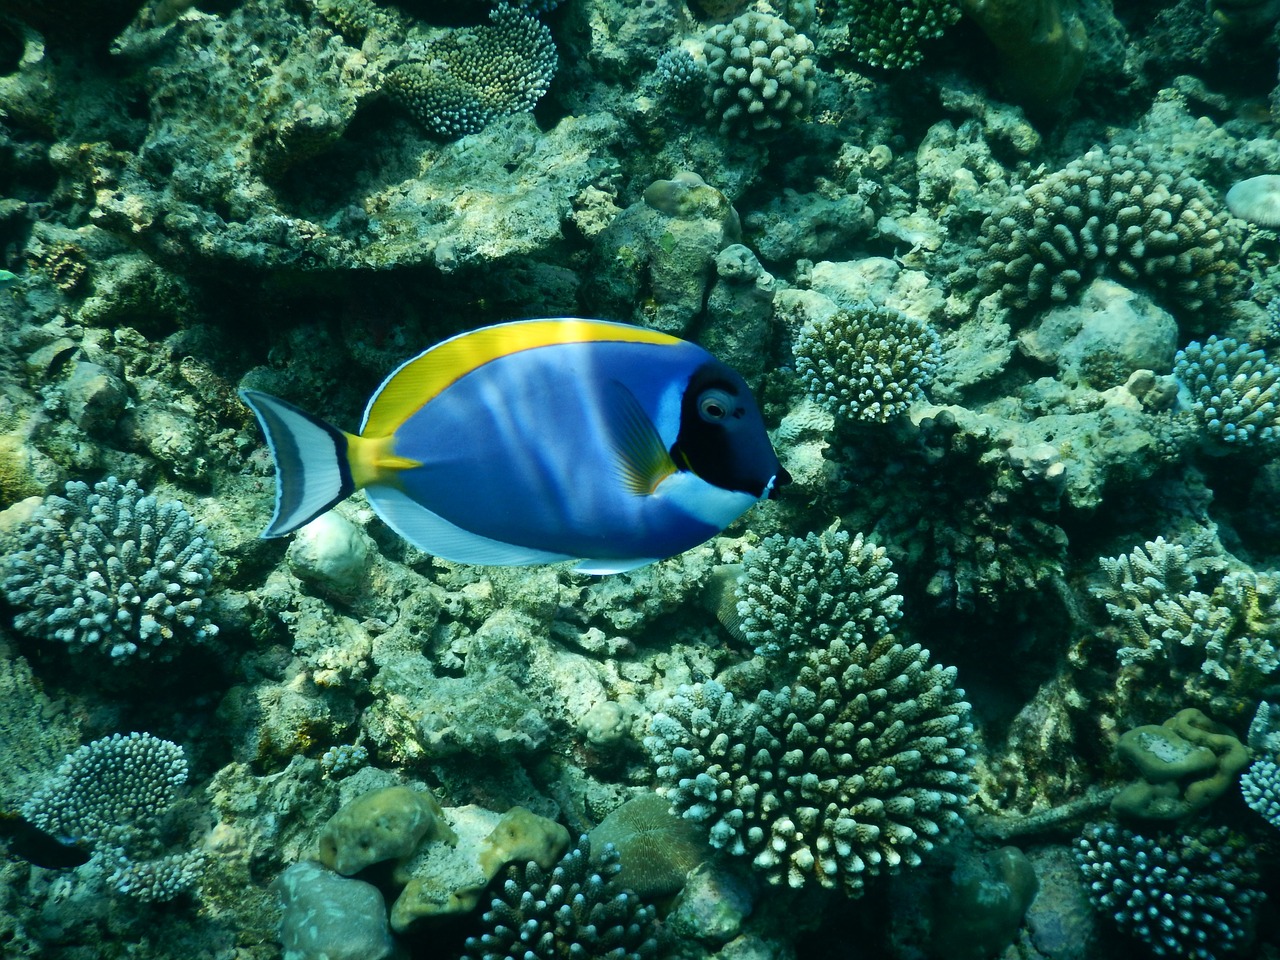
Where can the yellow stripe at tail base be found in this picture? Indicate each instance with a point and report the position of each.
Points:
(374, 460)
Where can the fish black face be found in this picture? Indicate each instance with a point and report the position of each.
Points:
(722, 435)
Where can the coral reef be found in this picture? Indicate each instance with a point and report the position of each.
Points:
(570, 910)
(108, 568)
(850, 772)
(471, 77)
(1232, 391)
(795, 594)
(1117, 211)
(760, 75)
(889, 34)
(1181, 896)
(867, 363)
(112, 796)
(1041, 46)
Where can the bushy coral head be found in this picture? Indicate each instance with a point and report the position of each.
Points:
(474, 76)
(568, 911)
(888, 33)
(1232, 390)
(760, 74)
(867, 363)
(111, 569)
(854, 770)
(798, 593)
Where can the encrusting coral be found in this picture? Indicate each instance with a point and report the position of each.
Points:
(1116, 211)
(111, 569)
(850, 772)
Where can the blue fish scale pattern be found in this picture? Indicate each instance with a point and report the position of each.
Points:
(760, 74)
(1187, 897)
(797, 593)
(1233, 390)
(867, 363)
(850, 772)
(109, 568)
(569, 911)
(110, 796)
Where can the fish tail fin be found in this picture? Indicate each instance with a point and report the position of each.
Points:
(313, 470)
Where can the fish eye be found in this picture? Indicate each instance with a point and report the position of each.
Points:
(714, 405)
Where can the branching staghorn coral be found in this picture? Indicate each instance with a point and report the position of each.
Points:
(852, 771)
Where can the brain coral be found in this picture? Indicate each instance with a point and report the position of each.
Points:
(867, 363)
(1233, 390)
(474, 76)
(113, 570)
(851, 771)
(111, 796)
(1116, 211)
(1187, 897)
(760, 75)
(798, 593)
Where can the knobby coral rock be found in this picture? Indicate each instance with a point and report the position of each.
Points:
(867, 363)
(760, 74)
(1190, 897)
(798, 593)
(112, 796)
(569, 911)
(852, 771)
(473, 76)
(111, 569)
(1117, 212)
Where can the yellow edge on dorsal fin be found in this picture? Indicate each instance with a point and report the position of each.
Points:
(418, 380)
(374, 460)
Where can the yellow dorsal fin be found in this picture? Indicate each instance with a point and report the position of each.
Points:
(425, 376)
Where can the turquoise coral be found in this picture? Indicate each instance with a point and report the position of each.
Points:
(1117, 212)
(1185, 897)
(867, 363)
(1232, 390)
(113, 570)
(852, 771)
(474, 76)
(760, 74)
(571, 910)
(798, 593)
(112, 795)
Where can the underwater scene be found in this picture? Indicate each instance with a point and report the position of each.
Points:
(639, 479)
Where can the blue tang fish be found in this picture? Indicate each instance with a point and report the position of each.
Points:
(538, 441)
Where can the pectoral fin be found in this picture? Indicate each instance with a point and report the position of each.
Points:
(640, 457)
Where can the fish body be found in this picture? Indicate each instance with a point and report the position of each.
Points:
(538, 441)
